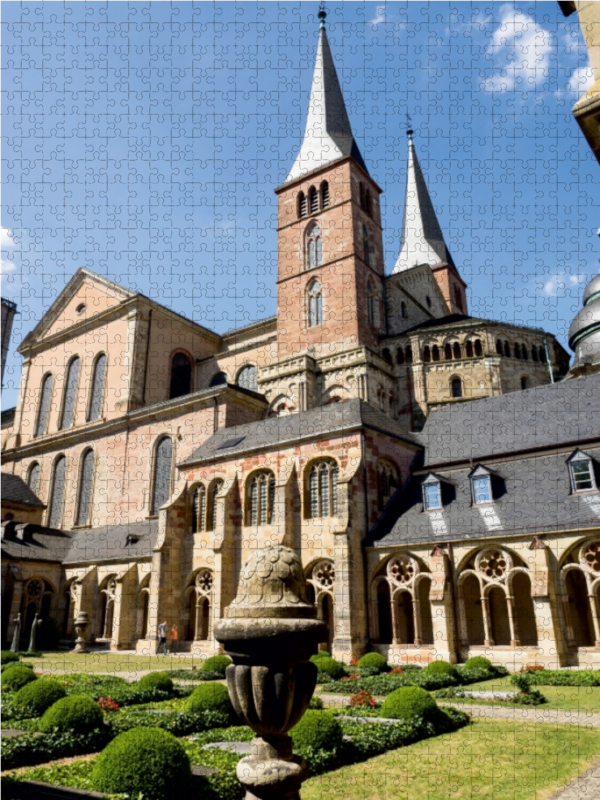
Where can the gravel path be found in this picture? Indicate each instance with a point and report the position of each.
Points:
(584, 787)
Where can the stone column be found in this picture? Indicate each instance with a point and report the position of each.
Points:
(417, 619)
(595, 619)
(487, 623)
(395, 639)
(514, 634)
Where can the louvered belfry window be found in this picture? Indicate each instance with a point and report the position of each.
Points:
(322, 489)
(44, 407)
(58, 490)
(262, 498)
(68, 409)
(97, 388)
(33, 478)
(216, 488)
(199, 509)
(163, 456)
(86, 481)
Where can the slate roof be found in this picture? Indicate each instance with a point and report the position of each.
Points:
(547, 416)
(15, 490)
(533, 495)
(106, 543)
(275, 431)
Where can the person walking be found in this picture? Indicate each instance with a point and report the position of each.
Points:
(174, 638)
(162, 638)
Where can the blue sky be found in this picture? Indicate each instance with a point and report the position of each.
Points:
(144, 141)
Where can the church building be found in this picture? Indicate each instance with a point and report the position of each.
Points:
(394, 441)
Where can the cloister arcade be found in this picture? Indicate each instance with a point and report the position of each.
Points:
(579, 578)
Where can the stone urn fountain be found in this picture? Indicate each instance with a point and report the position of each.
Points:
(80, 623)
(270, 631)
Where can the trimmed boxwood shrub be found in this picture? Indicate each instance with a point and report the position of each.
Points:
(145, 761)
(77, 713)
(210, 696)
(12, 664)
(330, 667)
(319, 730)
(216, 664)
(156, 680)
(16, 677)
(373, 661)
(441, 668)
(8, 657)
(479, 662)
(318, 656)
(548, 677)
(35, 698)
(408, 702)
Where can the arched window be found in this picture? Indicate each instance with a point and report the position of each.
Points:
(86, 482)
(324, 195)
(212, 509)
(469, 349)
(409, 355)
(181, 376)
(68, 408)
(370, 304)
(403, 310)
(314, 247)
(97, 388)
(361, 188)
(524, 353)
(448, 352)
(247, 378)
(301, 205)
(368, 203)
(365, 243)
(387, 482)
(161, 483)
(517, 350)
(44, 406)
(458, 297)
(219, 379)
(457, 387)
(199, 509)
(534, 353)
(322, 489)
(313, 200)
(57, 491)
(426, 354)
(506, 349)
(524, 382)
(399, 356)
(499, 347)
(478, 347)
(261, 498)
(435, 353)
(387, 356)
(456, 350)
(315, 304)
(33, 477)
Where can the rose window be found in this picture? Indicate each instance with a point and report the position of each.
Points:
(204, 581)
(402, 570)
(324, 574)
(591, 556)
(35, 588)
(493, 564)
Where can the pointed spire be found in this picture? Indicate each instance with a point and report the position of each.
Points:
(328, 135)
(422, 239)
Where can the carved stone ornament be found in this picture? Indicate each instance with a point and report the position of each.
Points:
(589, 556)
(493, 564)
(402, 570)
(204, 581)
(80, 623)
(270, 631)
(323, 574)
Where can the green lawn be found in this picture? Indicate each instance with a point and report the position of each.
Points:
(112, 662)
(567, 698)
(488, 760)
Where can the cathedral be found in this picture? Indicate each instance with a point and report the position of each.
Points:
(436, 472)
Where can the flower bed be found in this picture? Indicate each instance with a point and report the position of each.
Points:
(384, 684)
(548, 677)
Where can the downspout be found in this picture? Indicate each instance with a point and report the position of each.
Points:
(147, 356)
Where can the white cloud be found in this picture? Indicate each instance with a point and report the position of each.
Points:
(520, 49)
(558, 283)
(380, 17)
(6, 238)
(579, 81)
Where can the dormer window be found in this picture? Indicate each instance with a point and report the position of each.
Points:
(481, 486)
(432, 493)
(581, 469)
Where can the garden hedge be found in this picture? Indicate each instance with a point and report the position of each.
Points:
(15, 677)
(12, 664)
(319, 730)
(334, 670)
(8, 657)
(156, 680)
(478, 662)
(216, 665)
(35, 698)
(373, 661)
(547, 677)
(146, 761)
(211, 697)
(75, 714)
(409, 702)
(442, 668)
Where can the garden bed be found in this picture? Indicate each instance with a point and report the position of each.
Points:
(383, 684)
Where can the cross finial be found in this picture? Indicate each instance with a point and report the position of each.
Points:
(409, 130)
(322, 15)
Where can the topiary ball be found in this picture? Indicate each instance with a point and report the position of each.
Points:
(216, 664)
(210, 696)
(12, 664)
(441, 668)
(8, 657)
(374, 661)
(146, 761)
(76, 713)
(332, 668)
(318, 656)
(156, 680)
(35, 698)
(408, 702)
(479, 662)
(317, 729)
(16, 676)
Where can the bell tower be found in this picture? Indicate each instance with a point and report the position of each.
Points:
(330, 250)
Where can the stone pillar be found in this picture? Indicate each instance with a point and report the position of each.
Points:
(487, 623)
(595, 619)
(395, 639)
(514, 634)
(417, 619)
